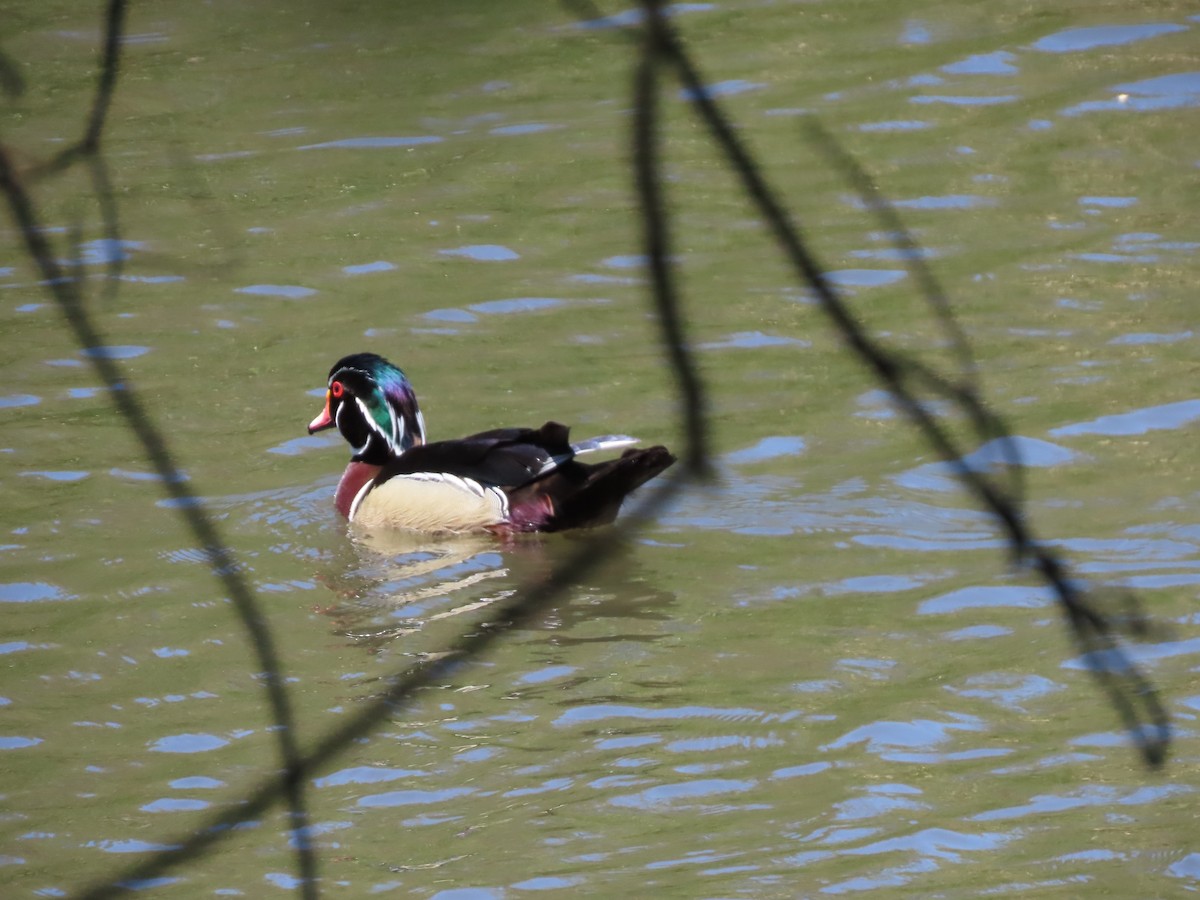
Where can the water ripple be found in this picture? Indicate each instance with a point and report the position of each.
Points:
(114, 352)
(287, 291)
(174, 804)
(1093, 795)
(130, 846)
(365, 268)
(516, 305)
(766, 449)
(1006, 689)
(634, 16)
(896, 125)
(865, 277)
(883, 738)
(601, 711)
(526, 128)
(412, 798)
(721, 89)
(366, 775)
(363, 143)
(753, 340)
(678, 796)
(998, 62)
(31, 592)
(959, 100)
(14, 400)
(937, 842)
(941, 476)
(483, 252)
(1139, 421)
(196, 782)
(1164, 92)
(1015, 596)
(188, 743)
(1073, 40)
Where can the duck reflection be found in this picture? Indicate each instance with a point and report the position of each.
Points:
(395, 583)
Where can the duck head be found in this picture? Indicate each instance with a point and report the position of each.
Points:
(372, 404)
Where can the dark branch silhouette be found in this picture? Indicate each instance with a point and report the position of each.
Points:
(966, 389)
(106, 84)
(656, 239)
(528, 602)
(67, 292)
(1096, 634)
(1130, 692)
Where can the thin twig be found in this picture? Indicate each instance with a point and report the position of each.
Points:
(656, 239)
(1130, 692)
(527, 603)
(68, 293)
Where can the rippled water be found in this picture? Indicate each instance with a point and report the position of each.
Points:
(814, 676)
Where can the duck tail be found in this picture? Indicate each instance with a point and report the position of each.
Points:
(597, 500)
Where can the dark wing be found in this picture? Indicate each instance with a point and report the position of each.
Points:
(504, 457)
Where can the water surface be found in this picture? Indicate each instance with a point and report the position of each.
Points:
(817, 675)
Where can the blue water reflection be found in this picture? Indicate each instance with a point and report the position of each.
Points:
(966, 99)
(483, 252)
(31, 592)
(373, 143)
(1074, 40)
(366, 268)
(631, 17)
(999, 62)
(287, 291)
(896, 125)
(526, 128)
(516, 305)
(188, 743)
(988, 597)
(865, 277)
(1093, 795)
(1164, 92)
(721, 89)
(14, 400)
(1141, 421)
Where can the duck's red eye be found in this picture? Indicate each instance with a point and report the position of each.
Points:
(337, 390)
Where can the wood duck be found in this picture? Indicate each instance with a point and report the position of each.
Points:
(503, 481)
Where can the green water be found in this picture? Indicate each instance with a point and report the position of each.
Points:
(815, 676)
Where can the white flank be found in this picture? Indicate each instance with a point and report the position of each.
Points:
(430, 501)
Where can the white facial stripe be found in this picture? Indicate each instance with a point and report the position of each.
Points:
(374, 426)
